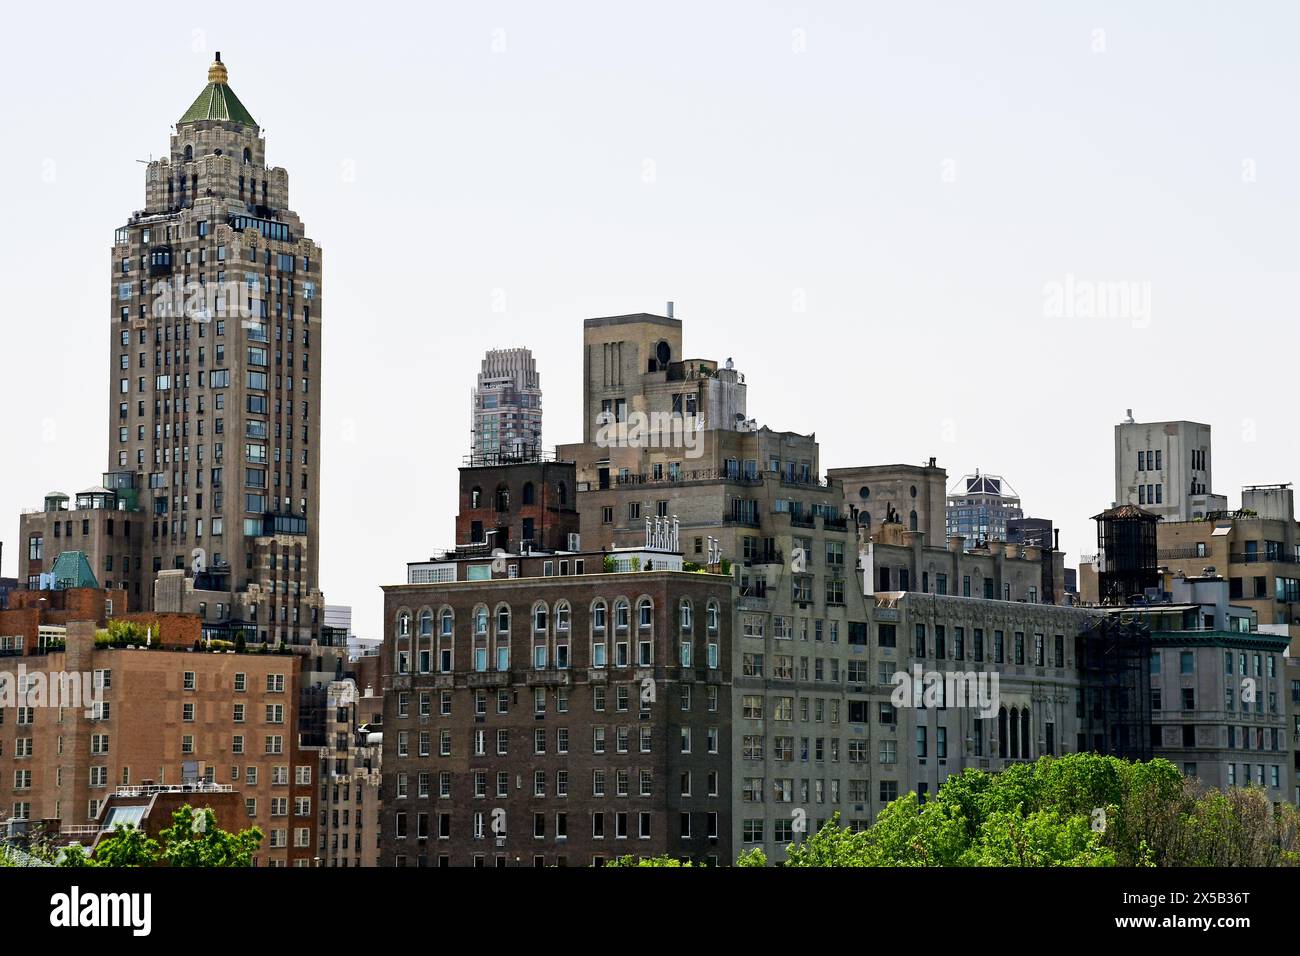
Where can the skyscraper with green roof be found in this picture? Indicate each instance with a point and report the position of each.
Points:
(214, 409)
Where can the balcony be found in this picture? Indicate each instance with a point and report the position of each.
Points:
(1267, 557)
(523, 454)
(1180, 554)
(682, 477)
(488, 679)
(803, 481)
(548, 678)
(267, 227)
(274, 522)
(160, 261)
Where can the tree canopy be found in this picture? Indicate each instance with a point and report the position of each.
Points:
(1076, 810)
(193, 839)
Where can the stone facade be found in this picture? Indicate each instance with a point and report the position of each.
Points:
(350, 777)
(1166, 468)
(873, 492)
(214, 413)
(1257, 549)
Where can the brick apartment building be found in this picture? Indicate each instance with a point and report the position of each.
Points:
(541, 718)
(166, 714)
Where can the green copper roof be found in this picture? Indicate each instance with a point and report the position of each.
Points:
(72, 570)
(218, 101)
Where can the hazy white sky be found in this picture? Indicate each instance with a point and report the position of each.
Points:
(912, 176)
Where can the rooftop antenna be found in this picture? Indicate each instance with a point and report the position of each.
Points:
(1130, 420)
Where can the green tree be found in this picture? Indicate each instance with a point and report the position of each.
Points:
(75, 855)
(126, 846)
(663, 860)
(194, 839)
(1040, 838)
(1075, 810)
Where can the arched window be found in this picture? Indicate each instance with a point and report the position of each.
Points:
(480, 620)
(503, 498)
(445, 657)
(911, 521)
(645, 613)
(711, 617)
(1002, 732)
(476, 497)
(1025, 750)
(687, 616)
(189, 153)
(248, 155)
(599, 647)
(503, 637)
(562, 612)
(528, 494)
(1014, 735)
(426, 623)
(539, 617)
(448, 619)
(621, 614)
(402, 644)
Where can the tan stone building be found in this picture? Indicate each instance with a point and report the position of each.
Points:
(915, 493)
(1257, 549)
(668, 437)
(214, 396)
(1166, 468)
(351, 776)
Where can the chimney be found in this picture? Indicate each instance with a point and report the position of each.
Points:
(670, 310)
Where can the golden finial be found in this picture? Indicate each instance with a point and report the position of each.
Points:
(217, 71)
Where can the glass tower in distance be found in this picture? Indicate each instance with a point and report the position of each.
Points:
(506, 408)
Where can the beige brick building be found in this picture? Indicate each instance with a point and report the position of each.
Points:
(1257, 549)
(668, 436)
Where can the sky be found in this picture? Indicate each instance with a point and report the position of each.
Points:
(979, 232)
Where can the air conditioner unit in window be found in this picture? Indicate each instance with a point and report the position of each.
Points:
(575, 542)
